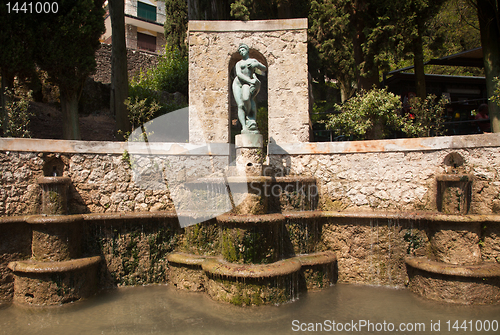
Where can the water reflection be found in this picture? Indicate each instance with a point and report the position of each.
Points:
(163, 310)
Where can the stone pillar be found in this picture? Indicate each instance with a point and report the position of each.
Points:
(131, 36)
(249, 154)
(213, 51)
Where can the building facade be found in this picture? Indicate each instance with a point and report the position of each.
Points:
(144, 22)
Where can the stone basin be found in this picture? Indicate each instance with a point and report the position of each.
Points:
(325, 257)
(220, 267)
(53, 180)
(54, 283)
(31, 266)
(186, 259)
(477, 284)
(483, 270)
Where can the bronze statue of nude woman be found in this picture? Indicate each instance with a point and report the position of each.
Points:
(246, 85)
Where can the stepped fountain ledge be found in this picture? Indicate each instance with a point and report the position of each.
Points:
(56, 273)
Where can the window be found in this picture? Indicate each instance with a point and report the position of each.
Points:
(145, 11)
(146, 42)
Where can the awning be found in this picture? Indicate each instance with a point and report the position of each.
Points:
(473, 58)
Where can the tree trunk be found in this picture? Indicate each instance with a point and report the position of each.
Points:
(284, 9)
(69, 108)
(376, 132)
(346, 89)
(488, 11)
(119, 74)
(418, 63)
(5, 115)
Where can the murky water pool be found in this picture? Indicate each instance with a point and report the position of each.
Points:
(163, 310)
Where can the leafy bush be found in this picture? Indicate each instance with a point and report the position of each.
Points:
(152, 97)
(240, 11)
(376, 114)
(170, 75)
(16, 112)
(370, 114)
(139, 112)
(148, 92)
(428, 117)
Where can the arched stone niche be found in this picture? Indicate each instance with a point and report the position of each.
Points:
(261, 98)
(283, 46)
(53, 167)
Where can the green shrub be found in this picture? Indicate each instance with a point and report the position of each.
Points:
(370, 114)
(428, 117)
(152, 97)
(496, 96)
(139, 112)
(239, 10)
(16, 112)
(376, 114)
(148, 92)
(170, 75)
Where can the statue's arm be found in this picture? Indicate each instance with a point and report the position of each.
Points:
(261, 66)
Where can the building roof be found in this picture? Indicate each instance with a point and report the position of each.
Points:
(473, 58)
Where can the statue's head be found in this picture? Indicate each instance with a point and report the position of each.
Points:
(243, 48)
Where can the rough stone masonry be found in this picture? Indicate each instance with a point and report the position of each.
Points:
(281, 45)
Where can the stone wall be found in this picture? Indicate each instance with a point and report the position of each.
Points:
(372, 175)
(371, 248)
(213, 52)
(137, 60)
(105, 176)
(396, 174)
(15, 244)
(100, 183)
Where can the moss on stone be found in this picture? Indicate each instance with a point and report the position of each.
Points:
(252, 245)
(202, 239)
(328, 204)
(255, 293)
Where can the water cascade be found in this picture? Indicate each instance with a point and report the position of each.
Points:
(56, 273)
(453, 270)
(257, 261)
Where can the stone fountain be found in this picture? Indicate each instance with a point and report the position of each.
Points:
(416, 213)
(453, 270)
(256, 263)
(56, 273)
